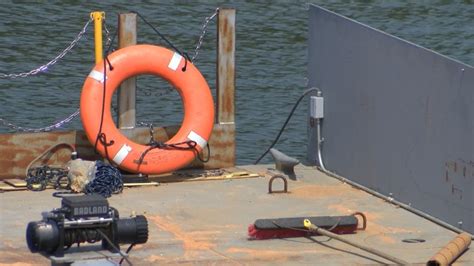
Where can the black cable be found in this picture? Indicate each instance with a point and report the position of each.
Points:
(113, 246)
(183, 54)
(100, 136)
(126, 252)
(306, 92)
(191, 145)
(208, 154)
(106, 61)
(104, 89)
(60, 184)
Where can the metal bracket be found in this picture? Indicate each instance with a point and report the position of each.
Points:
(270, 184)
(364, 220)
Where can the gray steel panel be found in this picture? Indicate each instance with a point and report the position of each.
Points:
(399, 118)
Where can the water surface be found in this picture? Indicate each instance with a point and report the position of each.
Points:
(270, 57)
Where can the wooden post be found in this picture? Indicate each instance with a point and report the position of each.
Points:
(127, 91)
(225, 66)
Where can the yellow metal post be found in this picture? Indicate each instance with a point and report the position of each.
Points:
(98, 16)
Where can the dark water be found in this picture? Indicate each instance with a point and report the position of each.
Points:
(271, 57)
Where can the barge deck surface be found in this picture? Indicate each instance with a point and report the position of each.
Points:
(206, 223)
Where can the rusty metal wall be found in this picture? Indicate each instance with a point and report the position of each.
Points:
(19, 149)
(399, 118)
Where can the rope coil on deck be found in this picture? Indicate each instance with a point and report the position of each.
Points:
(107, 181)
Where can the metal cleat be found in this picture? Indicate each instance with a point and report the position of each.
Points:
(284, 163)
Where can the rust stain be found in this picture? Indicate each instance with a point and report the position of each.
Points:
(374, 225)
(127, 32)
(255, 252)
(193, 246)
(274, 255)
(267, 255)
(387, 239)
(226, 66)
(313, 191)
(188, 239)
(19, 157)
(17, 264)
(155, 258)
(19, 257)
(15, 157)
(342, 209)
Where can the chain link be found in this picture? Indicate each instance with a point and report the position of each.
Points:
(108, 39)
(207, 20)
(38, 70)
(42, 129)
(46, 66)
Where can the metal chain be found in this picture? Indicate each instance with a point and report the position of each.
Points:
(42, 129)
(38, 70)
(46, 66)
(107, 36)
(39, 178)
(107, 181)
(203, 33)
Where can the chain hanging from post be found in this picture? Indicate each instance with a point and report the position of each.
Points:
(207, 20)
(39, 70)
(46, 66)
(42, 129)
(108, 39)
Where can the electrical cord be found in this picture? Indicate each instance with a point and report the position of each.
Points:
(50, 149)
(101, 136)
(124, 256)
(126, 252)
(306, 92)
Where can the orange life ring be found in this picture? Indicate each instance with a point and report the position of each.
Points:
(147, 59)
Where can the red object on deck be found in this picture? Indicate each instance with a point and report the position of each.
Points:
(293, 227)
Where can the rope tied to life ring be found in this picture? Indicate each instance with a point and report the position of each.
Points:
(154, 144)
(190, 145)
(185, 145)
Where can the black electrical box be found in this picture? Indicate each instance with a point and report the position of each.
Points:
(85, 206)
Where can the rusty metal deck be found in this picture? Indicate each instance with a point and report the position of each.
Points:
(206, 223)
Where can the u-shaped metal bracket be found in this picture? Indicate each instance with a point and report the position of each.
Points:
(270, 184)
(364, 220)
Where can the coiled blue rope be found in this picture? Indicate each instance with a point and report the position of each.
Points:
(107, 181)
